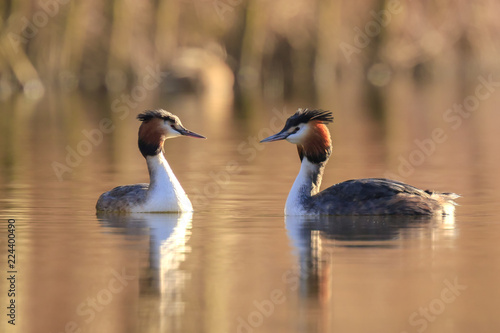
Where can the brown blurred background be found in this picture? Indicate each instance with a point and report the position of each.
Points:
(275, 49)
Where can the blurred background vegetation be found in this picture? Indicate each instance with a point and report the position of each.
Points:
(276, 50)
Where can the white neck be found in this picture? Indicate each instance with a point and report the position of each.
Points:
(306, 184)
(165, 193)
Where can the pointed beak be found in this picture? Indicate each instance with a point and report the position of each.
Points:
(276, 137)
(187, 132)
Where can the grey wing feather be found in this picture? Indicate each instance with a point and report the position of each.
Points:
(377, 196)
(122, 198)
(373, 188)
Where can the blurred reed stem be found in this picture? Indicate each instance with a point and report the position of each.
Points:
(282, 49)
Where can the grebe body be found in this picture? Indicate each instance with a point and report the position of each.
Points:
(164, 193)
(371, 196)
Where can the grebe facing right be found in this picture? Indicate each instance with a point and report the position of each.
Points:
(164, 193)
(371, 196)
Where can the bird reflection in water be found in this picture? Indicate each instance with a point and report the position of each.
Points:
(317, 240)
(162, 281)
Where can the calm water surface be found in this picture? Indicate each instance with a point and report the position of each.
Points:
(236, 264)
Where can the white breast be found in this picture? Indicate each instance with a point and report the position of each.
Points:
(301, 188)
(165, 193)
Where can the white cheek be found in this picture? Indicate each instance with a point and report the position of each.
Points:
(298, 137)
(171, 133)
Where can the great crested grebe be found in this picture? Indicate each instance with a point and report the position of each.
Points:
(371, 196)
(164, 193)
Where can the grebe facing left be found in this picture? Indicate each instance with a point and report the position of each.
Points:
(372, 196)
(164, 193)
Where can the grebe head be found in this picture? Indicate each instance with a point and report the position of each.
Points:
(156, 127)
(307, 129)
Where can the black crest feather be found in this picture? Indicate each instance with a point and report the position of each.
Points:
(303, 116)
(160, 113)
